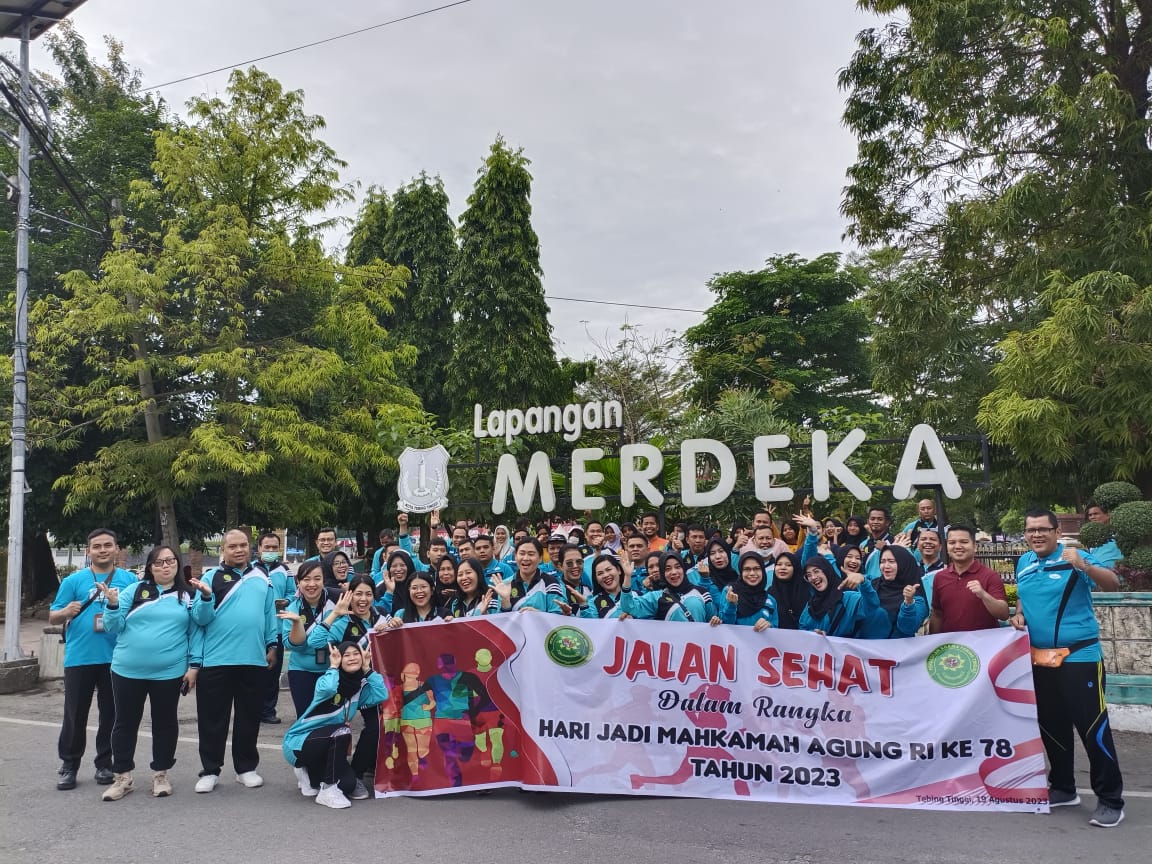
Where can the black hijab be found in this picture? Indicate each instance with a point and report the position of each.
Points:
(349, 681)
(400, 594)
(685, 584)
(824, 602)
(327, 563)
(861, 523)
(724, 576)
(908, 572)
(750, 598)
(791, 594)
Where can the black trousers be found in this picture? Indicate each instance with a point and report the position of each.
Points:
(364, 759)
(272, 691)
(219, 690)
(80, 682)
(1071, 696)
(326, 758)
(302, 686)
(164, 697)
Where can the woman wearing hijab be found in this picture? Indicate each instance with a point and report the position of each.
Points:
(337, 568)
(903, 607)
(612, 539)
(472, 596)
(850, 561)
(749, 603)
(608, 586)
(446, 577)
(152, 621)
(790, 590)
(316, 745)
(677, 599)
(392, 592)
(715, 574)
(353, 619)
(855, 531)
(312, 604)
(830, 610)
(502, 540)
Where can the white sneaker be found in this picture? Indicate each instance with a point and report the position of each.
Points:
(250, 779)
(331, 796)
(305, 783)
(207, 783)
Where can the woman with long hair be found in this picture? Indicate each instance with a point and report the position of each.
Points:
(422, 602)
(472, 596)
(153, 622)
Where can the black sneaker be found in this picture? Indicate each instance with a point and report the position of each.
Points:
(104, 776)
(271, 719)
(67, 779)
(1060, 798)
(1106, 817)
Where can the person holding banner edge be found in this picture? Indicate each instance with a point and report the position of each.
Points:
(1055, 606)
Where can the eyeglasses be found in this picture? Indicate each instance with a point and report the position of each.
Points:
(164, 562)
(1039, 530)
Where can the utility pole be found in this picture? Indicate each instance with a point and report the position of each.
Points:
(27, 19)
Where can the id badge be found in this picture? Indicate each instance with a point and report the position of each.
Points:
(322, 656)
(98, 622)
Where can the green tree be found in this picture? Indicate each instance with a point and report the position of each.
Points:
(103, 125)
(501, 339)
(649, 378)
(413, 229)
(225, 348)
(1072, 393)
(794, 329)
(1004, 148)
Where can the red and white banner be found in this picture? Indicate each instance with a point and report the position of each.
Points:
(650, 708)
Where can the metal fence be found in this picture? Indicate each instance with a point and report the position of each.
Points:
(1002, 558)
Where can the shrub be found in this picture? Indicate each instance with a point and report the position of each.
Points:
(1132, 525)
(1093, 534)
(1139, 559)
(1112, 495)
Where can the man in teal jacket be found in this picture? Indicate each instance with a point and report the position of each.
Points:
(233, 654)
(79, 605)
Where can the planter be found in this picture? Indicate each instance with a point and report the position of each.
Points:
(1068, 524)
(1125, 619)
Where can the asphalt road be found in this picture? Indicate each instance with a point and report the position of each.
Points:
(39, 824)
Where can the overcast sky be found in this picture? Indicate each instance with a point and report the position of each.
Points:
(670, 139)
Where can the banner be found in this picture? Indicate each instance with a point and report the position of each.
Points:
(543, 702)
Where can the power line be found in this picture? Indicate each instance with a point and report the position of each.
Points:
(310, 44)
(629, 305)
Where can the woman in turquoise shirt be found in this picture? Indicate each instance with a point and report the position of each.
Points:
(607, 577)
(676, 600)
(152, 621)
(317, 744)
(749, 603)
(306, 612)
(832, 611)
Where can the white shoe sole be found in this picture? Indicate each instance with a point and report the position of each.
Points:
(1075, 802)
(1093, 821)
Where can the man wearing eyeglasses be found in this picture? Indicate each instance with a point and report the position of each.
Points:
(1055, 586)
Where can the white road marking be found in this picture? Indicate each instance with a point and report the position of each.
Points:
(19, 721)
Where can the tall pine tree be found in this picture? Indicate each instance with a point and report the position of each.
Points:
(502, 340)
(413, 229)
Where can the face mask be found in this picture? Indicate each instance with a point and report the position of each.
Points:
(269, 557)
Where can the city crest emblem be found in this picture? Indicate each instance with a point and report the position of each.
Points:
(423, 483)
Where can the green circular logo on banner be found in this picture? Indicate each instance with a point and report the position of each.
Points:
(567, 646)
(952, 665)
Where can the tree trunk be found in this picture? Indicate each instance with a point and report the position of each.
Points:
(165, 500)
(232, 504)
(40, 569)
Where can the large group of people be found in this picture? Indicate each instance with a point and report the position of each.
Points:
(225, 634)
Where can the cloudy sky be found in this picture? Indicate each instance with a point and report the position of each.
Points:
(670, 139)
